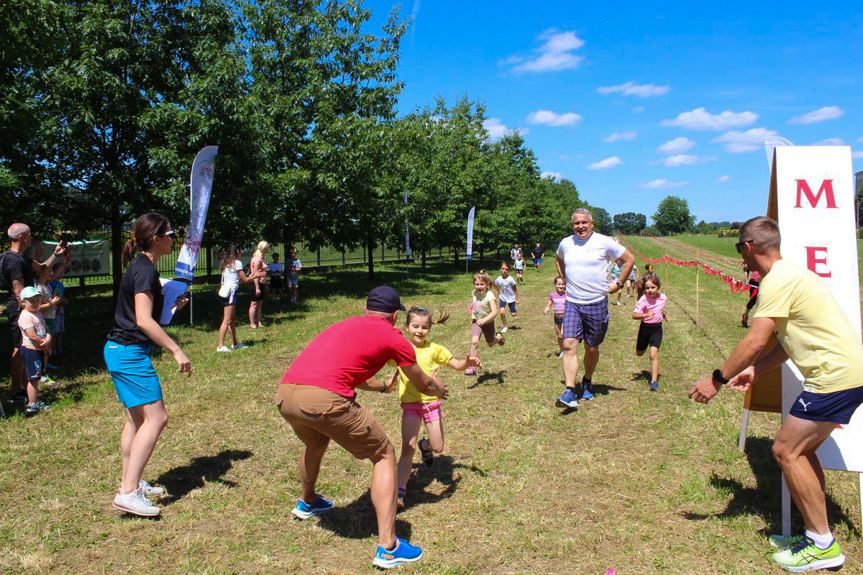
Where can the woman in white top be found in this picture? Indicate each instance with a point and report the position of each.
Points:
(232, 277)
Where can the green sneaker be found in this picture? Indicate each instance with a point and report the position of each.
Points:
(783, 542)
(805, 556)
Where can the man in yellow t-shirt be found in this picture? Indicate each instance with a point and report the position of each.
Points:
(798, 308)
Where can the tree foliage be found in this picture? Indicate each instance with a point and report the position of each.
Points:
(672, 216)
(630, 223)
(106, 103)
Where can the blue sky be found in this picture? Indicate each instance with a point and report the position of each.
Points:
(637, 101)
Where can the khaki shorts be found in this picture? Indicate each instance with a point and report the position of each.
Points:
(318, 415)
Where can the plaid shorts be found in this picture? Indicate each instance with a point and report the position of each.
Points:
(586, 321)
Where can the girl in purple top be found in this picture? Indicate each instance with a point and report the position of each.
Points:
(650, 309)
(557, 300)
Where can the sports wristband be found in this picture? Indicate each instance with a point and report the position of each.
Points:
(718, 377)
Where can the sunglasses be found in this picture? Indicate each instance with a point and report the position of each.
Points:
(739, 246)
(171, 234)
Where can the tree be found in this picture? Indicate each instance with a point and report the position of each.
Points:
(602, 221)
(630, 223)
(672, 216)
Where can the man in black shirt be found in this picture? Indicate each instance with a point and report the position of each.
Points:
(17, 272)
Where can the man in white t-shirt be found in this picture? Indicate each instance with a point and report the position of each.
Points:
(582, 261)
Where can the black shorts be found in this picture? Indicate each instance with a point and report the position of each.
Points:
(649, 335)
(255, 296)
(16, 331)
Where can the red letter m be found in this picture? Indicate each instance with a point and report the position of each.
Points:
(826, 189)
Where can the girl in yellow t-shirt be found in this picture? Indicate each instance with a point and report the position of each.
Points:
(418, 407)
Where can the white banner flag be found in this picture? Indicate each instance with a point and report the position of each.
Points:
(470, 233)
(202, 184)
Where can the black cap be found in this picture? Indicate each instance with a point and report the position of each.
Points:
(385, 299)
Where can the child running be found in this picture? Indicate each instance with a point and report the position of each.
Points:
(508, 292)
(557, 301)
(519, 268)
(483, 310)
(650, 309)
(418, 407)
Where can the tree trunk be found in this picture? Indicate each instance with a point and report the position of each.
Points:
(455, 257)
(481, 253)
(371, 251)
(116, 248)
(423, 256)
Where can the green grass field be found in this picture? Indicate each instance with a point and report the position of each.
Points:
(643, 482)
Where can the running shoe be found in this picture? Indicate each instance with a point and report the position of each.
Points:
(136, 504)
(470, 371)
(150, 490)
(806, 556)
(403, 552)
(587, 391)
(568, 399)
(426, 452)
(783, 542)
(224, 349)
(654, 386)
(303, 510)
(240, 345)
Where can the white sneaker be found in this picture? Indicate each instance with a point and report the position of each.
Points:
(224, 349)
(617, 303)
(150, 490)
(136, 504)
(504, 330)
(240, 345)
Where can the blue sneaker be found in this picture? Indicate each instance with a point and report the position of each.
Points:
(403, 553)
(587, 393)
(303, 510)
(568, 399)
(654, 386)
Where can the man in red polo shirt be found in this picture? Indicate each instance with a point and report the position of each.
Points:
(317, 397)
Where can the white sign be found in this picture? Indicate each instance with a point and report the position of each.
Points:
(201, 186)
(470, 217)
(816, 214)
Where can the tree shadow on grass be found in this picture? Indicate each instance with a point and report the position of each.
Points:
(765, 499)
(180, 481)
(494, 376)
(441, 471)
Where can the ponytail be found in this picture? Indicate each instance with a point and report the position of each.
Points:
(128, 253)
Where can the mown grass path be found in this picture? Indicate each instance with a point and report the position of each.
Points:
(643, 482)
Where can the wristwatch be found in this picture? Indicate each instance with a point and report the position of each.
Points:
(619, 285)
(718, 377)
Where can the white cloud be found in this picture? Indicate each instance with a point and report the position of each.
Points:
(820, 115)
(860, 139)
(685, 160)
(857, 155)
(831, 142)
(497, 130)
(550, 118)
(676, 146)
(556, 176)
(701, 119)
(555, 53)
(633, 89)
(638, 109)
(748, 141)
(605, 164)
(661, 183)
(620, 136)
(723, 179)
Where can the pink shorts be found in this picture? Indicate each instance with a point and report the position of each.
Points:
(428, 412)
